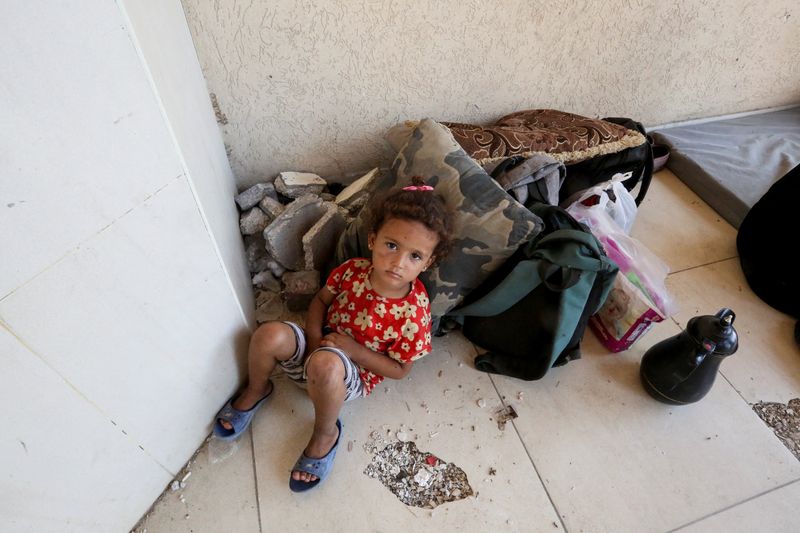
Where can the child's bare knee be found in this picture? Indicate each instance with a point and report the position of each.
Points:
(325, 367)
(272, 335)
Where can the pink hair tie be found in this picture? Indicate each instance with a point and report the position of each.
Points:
(418, 188)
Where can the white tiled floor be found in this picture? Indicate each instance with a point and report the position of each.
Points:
(590, 450)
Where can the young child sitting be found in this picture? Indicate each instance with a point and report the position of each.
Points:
(371, 320)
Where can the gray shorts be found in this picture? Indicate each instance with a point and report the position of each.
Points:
(295, 366)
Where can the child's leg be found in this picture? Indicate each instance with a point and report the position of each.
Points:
(326, 387)
(271, 342)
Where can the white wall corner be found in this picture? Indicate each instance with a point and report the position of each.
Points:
(161, 36)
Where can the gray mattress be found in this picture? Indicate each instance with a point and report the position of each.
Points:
(731, 163)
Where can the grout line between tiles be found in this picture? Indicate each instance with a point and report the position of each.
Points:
(528, 453)
(703, 265)
(734, 388)
(255, 477)
(755, 496)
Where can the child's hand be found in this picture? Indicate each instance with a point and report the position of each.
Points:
(344, 342)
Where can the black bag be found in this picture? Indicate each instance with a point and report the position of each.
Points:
(637, 160)
(531, 314)
(763, 241)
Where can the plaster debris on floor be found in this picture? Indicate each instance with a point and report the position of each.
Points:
(784, 421)
(220, 450)
(417, 478)
(504, 415)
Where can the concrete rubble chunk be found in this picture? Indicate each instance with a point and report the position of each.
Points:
(255, 194)
(267, 281)
(283, 236)
(300, 288)
(258, 258)
(271, 207)
(253, 221)
(276, 268)
(297, 184)
(355, 195)
(320, 240)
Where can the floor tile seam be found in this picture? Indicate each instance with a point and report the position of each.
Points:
(530, 458)
(721, 373)
(731, 506)
(686, 269)
(746, 401)
(255, 478)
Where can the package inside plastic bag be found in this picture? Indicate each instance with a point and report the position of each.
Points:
(639, 297)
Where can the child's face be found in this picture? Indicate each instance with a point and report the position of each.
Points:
(401, 250)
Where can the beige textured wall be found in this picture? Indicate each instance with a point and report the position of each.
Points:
(307, 85)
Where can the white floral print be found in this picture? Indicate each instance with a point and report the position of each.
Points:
(374, 344)
(397, 311)
(390, 333)
(358, 288)
(363, 319)
(409, 330)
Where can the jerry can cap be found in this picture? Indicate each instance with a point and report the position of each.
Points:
(715, 332)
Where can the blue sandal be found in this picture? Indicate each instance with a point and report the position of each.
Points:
(319, 467)
(239, 420)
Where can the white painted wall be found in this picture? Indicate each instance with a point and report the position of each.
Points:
(125, 303)
(310, 85)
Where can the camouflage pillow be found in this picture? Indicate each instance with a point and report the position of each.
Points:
(490, 224)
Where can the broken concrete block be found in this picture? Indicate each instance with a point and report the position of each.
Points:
(253, 221)
(297, 184)
(299, 289)
(355, 195)
(320, 240)
(284, 235)
(267, 281)
(255, 194)
(256, 252)
(271, 207)
(276, 268)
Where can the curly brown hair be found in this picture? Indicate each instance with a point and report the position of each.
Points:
(421, 205)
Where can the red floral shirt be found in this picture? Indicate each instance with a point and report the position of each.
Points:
(397, 327)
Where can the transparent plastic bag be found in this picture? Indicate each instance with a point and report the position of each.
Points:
(622, 209)
(639, 297)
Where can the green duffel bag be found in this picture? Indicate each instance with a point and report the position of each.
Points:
(532, 313)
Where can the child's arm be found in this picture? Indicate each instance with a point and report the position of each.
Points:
(376, 362)
(316, 317)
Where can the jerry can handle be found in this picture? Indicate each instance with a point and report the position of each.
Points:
(726, 316)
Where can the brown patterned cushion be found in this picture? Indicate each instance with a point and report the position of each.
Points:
(565, 136)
